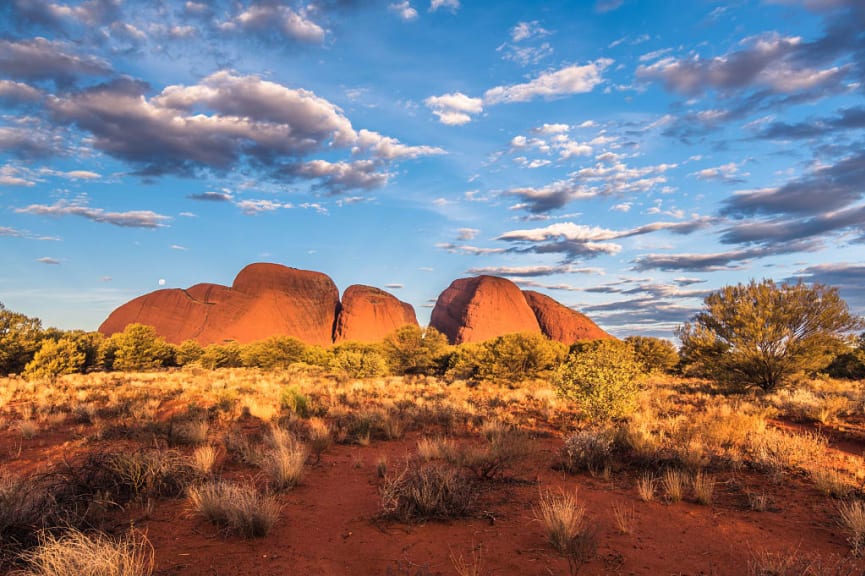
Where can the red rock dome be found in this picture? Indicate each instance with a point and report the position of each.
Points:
(561, 323)
(368, 314)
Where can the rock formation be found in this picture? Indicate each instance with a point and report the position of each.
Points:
(368, 314)
(265, 300)
(480, 308)
(561, 323)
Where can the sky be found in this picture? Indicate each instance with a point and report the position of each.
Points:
(626, 157)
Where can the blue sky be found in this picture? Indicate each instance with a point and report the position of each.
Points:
(625, 157)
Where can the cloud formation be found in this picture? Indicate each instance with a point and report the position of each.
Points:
(129, 219)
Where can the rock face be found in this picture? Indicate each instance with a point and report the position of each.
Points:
(480, 308)
(368, 314)
(561, 323)
(265, 300)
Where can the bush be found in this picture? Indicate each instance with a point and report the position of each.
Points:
(274, 352)
(590, 449)
(293, 399)
(139, 348)
(20, 339)
(761, 334)
(55, 358)
(517, 357)
(415, 350)
(235, 509)
(602, 378)
(188, 352)
(426, 491)
(358, 360)
(655, 354)
(226, 355)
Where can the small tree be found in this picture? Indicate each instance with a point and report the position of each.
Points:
(20, 339)
(138, 348)
(55, 358)
(656, 354)
(518, 357)
(602, 378)
(188, 352)
(415, 350)
(761, 333)
(274, 352)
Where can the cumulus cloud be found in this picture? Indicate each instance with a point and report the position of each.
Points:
(224, 121)
(711, 262)
(464, 234)
(129, 219)
(278, 19)
(41, 59)
(339, 177)
(849, 278)
(253, 207)
(30, 140)
(13, 92)
(60, 16)
(454, 109)
(784, 230)
(404, 10)
(726, 173)
(565, 81)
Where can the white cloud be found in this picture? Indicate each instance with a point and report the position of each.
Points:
(129, 219)
(455, 108)
(404, 10)
(569, 80)
(467, 234)
(452, 5)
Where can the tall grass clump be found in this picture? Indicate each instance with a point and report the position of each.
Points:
(234, 508)
(564, 521)
(74, 553)
(426, 491)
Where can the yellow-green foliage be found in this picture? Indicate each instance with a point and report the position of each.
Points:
(188, 352)
(20, 339)
(54, 358)
(228, 355)
(601, 377)
(274, 352)
(415, 350)
(139, 348)
(655, 354)
(761, 334)
(509, 358)
(358, 360)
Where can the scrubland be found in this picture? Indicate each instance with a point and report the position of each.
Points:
(309, 471)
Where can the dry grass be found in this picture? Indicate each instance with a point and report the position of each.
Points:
(426, 491)
(852, 519)
(704, 488)
(76, 554)
(564, 522)
(29, 429)
(646, 486)
(204, 459)
(234, 508)
(624, 516)
(472, 566)
(831, 482)
(674, 482)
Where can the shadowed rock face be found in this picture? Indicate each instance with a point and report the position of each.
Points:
(368, 314)
(265, 300)
(561, 323)
(480, 308)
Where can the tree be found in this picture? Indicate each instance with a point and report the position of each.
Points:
(415, 350)
(138, 348)
(188, 352)
(656, 354)
(517, 357)
(761, 333)
(274, 352)
(602, 378)
(850, 363)
(55, 358)
(20, 339)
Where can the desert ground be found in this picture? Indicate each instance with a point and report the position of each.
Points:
(696, 482)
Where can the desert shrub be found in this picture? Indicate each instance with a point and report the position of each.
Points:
(655, 354)
(188, 352)
(358, 360)
(850, 362)
(283, 461)
(291, 398)
(74, 553)
(589, 449)
(761, 334)
(505, 447)
(274, 352)
(426, 491)
(852, 520)
(415, 350)
(138, 474)
(90, 344)
(227, 355)
(234, 508)
(467, 362)
(20, 339)
(601, 377)
(55, 358)
(26, 508)
(518, 357)
(139, 348)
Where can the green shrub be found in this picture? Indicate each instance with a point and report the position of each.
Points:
(601, 377)
(188, 352)
(655, 354)
(293, 399)
(226, 355)
(415, 350)
(139, 348)
(358, 360)
(54, 358)
(274, 352)
(20, 339)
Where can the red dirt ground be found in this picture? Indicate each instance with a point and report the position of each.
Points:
(329, 523)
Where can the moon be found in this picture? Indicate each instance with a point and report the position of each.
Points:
(161, 282)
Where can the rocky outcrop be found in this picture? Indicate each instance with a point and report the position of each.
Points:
(368, 314)
(480, 308)
(264, 300)
(558, 322)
